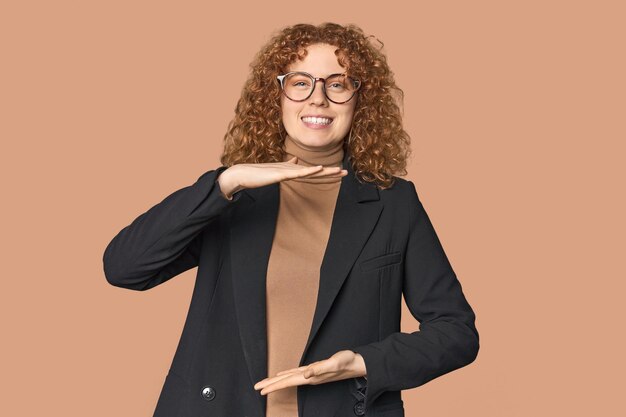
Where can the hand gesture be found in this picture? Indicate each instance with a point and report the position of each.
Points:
(241, 176)
(342, 365)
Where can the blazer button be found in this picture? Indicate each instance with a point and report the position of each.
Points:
(208, 393)
(359, 408)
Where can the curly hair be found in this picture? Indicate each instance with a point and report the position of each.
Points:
(377, 144)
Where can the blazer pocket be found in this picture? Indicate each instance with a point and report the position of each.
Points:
(381, 261)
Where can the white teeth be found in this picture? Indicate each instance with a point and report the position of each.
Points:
(317, 120)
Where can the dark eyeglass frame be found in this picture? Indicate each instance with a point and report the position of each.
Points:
(314, 80)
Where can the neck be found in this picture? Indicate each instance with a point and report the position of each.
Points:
(331, 156)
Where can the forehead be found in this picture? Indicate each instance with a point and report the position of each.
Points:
(320, 61)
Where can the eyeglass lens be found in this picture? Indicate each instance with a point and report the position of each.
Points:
(339, 88)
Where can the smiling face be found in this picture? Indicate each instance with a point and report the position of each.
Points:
(320, 61)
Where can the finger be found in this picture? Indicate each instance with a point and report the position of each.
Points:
(340, 173)
(300, 368)
(299, 379)
(289, 381)
(328, 174)
(316, 370)
(324, 170)
(297, 171)
(269, 381)
(321, 367)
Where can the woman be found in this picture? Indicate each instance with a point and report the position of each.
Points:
(305, 241)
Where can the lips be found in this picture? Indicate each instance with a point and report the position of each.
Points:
(317, 115)
(309, 122)
(321, 120)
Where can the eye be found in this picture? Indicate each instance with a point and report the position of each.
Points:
(339, 87)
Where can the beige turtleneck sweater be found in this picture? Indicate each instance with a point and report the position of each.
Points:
(302, 230)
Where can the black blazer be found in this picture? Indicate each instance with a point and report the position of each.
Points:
(381, 245)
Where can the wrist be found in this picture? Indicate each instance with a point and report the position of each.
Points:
(227, 185)
(360, 365)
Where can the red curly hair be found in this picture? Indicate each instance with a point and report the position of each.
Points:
(377, 144)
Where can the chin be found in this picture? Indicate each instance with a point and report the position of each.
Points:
(309, 139)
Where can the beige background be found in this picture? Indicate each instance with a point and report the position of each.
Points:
(516, 110)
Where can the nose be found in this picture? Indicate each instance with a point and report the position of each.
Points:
(318, 97)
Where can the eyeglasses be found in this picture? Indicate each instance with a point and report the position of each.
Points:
(299, 86)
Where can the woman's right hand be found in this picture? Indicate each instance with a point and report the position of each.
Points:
(240, 176)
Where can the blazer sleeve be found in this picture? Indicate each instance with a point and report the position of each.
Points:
(447, 339)
(165, 240)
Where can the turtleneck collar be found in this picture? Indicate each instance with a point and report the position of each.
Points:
(331, 157)
(328, 157)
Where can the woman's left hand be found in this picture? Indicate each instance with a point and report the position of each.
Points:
(342, 365)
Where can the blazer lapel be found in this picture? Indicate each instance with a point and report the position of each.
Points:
(356, 213)
(252, 231)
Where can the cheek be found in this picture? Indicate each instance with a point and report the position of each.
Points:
(289, 117)
(289, 112)
(346, 115)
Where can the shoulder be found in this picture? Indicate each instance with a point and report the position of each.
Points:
(401, 190)
(400, 200)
